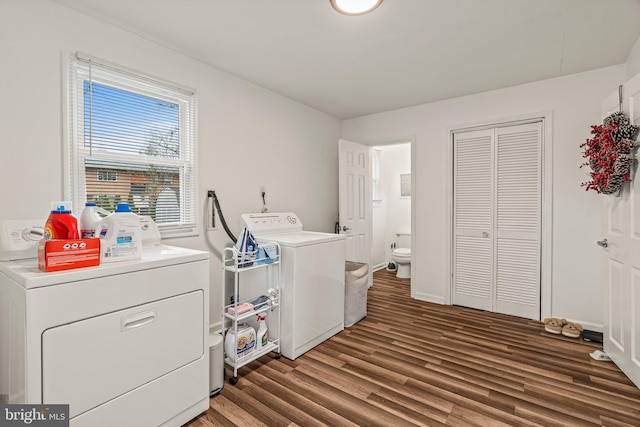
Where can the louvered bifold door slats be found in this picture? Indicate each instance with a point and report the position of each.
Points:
(518, 218)
(497, 219)
(473, 220)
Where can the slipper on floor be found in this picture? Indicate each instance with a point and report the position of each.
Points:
(572, 330)
(554, 325)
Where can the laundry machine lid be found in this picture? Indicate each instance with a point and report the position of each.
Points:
(285, 228)
(300, 238)
(27, 274)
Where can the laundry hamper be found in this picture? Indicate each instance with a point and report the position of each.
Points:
(356, 280)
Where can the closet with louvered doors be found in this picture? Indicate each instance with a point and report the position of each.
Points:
(496, 242)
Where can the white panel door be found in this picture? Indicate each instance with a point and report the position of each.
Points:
(355, 200)
(622, 256)
(497, 219)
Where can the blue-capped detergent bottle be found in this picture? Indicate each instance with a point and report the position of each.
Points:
(120, 235)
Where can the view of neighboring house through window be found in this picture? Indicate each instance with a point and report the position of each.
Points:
(107, 175)
(132, 139)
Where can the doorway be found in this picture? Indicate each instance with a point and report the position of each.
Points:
(391, 200)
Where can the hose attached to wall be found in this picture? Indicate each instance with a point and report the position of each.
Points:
(212, 194)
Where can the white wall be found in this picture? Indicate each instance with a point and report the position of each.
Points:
(633, 61)
(575, 104)
(379, 225)
(277, 143)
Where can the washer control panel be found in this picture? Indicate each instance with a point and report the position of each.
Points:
(262, 223)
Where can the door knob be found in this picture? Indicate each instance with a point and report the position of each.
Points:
(345, 228)
(485, 234)
(603, 243)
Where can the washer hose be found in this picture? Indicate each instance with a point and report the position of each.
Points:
(212, 194)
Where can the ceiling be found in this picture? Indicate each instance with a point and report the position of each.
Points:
(406, 52)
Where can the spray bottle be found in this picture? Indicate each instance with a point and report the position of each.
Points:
(262, 337)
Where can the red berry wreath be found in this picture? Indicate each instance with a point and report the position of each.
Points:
(609, 153)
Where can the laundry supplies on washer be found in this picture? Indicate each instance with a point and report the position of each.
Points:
(61, 224)
(246, 248)
(122, 240)
(91, 216)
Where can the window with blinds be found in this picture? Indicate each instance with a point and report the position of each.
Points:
(131, 138)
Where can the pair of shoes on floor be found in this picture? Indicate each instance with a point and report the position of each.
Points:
(557, 326)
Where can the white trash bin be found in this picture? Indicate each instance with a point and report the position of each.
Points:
(216, 364)
(356, 278)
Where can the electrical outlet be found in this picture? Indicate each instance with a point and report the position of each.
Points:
(210, 212)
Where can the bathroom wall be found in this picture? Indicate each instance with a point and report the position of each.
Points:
(392, 214)
(378, 218)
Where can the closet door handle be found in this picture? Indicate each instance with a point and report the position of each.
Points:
(485, 234)
(603, 243)
(345, 228)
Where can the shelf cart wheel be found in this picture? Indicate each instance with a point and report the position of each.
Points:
(233, 380)
(278, 355)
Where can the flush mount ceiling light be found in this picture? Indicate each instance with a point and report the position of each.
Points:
(355, 7)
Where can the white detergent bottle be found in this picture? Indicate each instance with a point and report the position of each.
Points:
(242, 345)
(122, 240)
(262, 338)
(90, 218)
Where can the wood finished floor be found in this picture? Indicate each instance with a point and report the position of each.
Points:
(415, 363)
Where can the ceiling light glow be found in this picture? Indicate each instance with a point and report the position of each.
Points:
(355, 7)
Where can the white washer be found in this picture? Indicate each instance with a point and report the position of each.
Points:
(312, 308)
(124, 343)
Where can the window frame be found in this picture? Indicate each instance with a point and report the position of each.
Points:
(107, 173)
(80, 67)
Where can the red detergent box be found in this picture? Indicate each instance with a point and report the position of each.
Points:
(65, 254)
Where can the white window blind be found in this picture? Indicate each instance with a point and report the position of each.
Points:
(131, 138)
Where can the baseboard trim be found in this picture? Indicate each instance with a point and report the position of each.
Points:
(428, 298)
(379, 266)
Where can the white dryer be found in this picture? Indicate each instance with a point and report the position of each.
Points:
(312, 307)
(123, 343)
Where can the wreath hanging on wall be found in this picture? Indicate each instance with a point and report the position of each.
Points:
(609, 154)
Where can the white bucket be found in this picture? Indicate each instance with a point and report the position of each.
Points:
(122, 240)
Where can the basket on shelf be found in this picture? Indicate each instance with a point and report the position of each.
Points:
(244, 259)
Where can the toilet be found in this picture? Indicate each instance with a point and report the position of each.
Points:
(401, 255)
